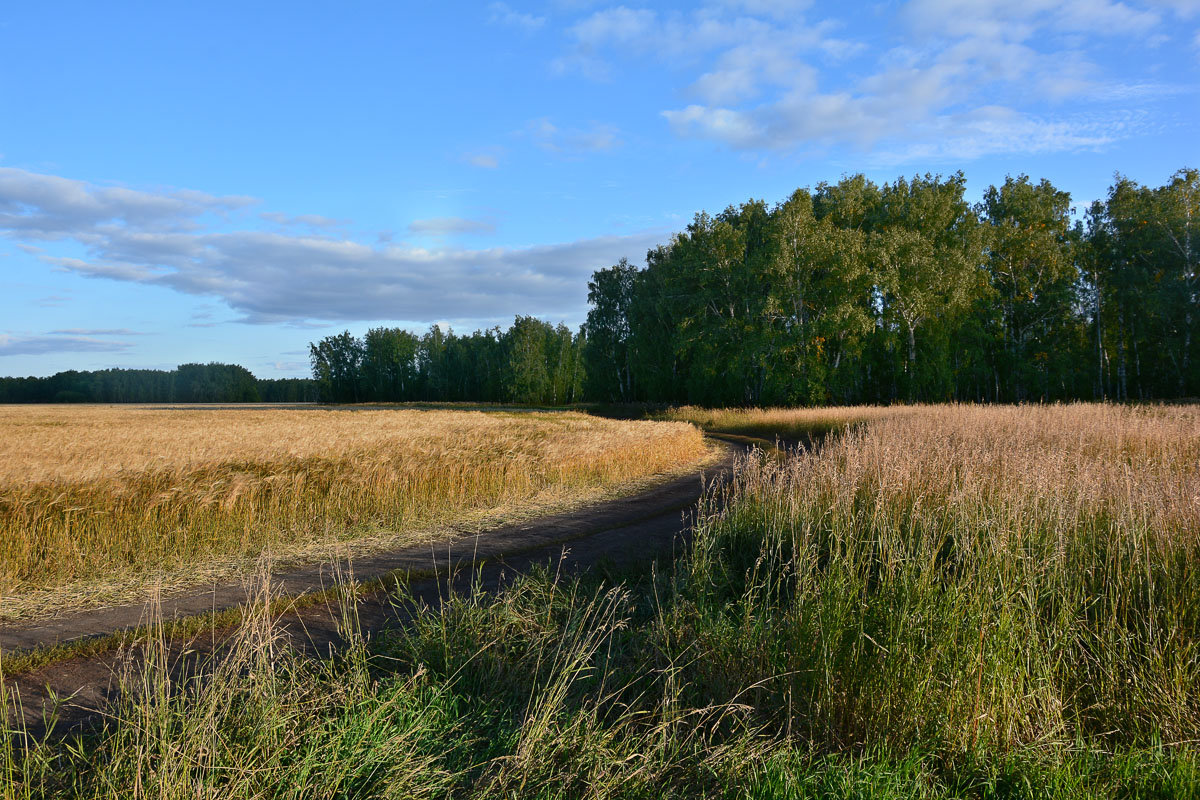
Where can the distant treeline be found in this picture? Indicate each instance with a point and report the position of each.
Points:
(858, 293)
(532, 363)
(188, 383)
(845, 293)
(849, 293)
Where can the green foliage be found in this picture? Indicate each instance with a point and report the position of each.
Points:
(607, 355)
(1145, 279)
(215, 383)
(859, 293)
(532, 363)
(337, 367)
(188, 383)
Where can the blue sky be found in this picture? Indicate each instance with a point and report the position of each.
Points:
(229, 181)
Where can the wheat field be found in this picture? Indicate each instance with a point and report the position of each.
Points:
(114, 496)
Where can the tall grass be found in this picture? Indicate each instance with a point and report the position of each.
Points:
(796, 424)
(115, 493)
(960, 602)
(961, 578)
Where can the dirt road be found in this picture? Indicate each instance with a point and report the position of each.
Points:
(624, 532)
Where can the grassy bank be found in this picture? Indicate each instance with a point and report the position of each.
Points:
(117, 495)
(957, 602)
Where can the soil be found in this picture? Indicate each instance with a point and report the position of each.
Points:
(617, 534)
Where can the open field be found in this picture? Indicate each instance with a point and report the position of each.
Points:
(788, 423)
(945, 602)
(967, 576)
(112, 497)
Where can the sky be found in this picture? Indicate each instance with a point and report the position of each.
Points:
(231, 181)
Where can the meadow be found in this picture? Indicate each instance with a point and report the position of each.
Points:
(943, 602)
(98, 501)
(788, 424)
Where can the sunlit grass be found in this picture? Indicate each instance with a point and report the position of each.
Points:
(114, 493)
(965, 576)
(788, 423)
(950, 602)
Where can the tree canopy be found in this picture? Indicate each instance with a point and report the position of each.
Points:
(854, 293)
(847, 292)
(188, 383)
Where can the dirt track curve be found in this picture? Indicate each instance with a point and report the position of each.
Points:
(620, 533)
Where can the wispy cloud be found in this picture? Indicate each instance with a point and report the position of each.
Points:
(38, 345)
(488, 158)
(41, 206)
(303, 220)
(763, 76)
(598, 137)
(1183, 8)
(449, 226)
(503, 14)
(308, 279)
(96, 332)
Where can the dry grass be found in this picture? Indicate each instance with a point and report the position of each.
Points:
(959, 575)
(946, 602)
(99, 495)
(788, 423)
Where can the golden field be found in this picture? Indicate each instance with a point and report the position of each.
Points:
(1003, 467)
(788, 423)
(1015, 576)
(114, 495)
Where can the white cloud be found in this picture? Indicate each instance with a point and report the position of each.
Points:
(483, 160)
(39, 345)
(1184, 8)
(96, 332)
(1018, 20)
(734, 127)
(449, 226)
(992, 130)
(597, 137)
(279, 277)
(620, 25)
(759, 85)
(502, 14)
(271, 278)
(302, 220)
(755, 27)
(777, 9)
(40, 205)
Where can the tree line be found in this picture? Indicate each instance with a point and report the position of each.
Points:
(188, 383)
(848, 292)
(853, 292)
(531, 363)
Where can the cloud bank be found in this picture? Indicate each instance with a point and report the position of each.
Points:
(952, 79)
(40, 345)
(272, 276)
